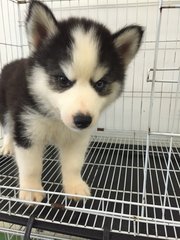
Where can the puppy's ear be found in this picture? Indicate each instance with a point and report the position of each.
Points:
(40, 24)
(127, 42)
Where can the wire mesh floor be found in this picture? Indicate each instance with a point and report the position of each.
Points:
(114, 169)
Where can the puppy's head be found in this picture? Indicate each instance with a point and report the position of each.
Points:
(77, 67)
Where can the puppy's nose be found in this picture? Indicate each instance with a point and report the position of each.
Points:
(82, 121)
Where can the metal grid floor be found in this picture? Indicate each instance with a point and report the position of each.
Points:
(114, 169)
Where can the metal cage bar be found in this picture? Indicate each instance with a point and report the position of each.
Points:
(132, 164)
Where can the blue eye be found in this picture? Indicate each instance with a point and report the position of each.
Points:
(63, 81)
(100, 85)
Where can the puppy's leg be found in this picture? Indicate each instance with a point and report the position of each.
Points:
(7, 147)
(29, 162)
(72, 159)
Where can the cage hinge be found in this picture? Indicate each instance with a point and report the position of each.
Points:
(29, 226)
(100, 129)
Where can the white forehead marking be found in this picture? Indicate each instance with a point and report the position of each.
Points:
(84, 53)
(84, 65)
(96, 75)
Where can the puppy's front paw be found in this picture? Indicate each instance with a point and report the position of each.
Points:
(7, 149)
(32, 196)
(77, 187)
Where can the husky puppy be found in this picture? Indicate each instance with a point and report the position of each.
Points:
(76, 68)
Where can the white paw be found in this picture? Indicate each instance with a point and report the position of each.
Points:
(31, 196)
(77, 187)
(7, 149)
(34, 196)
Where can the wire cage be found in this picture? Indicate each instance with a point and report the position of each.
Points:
(133, 160)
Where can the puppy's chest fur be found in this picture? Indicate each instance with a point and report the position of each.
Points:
(46, 130)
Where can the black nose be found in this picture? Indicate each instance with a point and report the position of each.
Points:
(82, 121)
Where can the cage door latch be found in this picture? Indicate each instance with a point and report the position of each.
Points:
(107, 226)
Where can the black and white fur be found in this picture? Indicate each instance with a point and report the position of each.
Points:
(55, 96)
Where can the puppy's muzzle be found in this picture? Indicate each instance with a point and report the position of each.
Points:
(82, 121)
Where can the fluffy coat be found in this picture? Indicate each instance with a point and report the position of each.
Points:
(76, 68)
